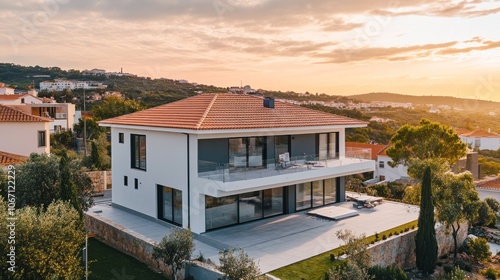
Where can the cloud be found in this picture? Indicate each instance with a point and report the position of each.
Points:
(389, 53)
(486, 46)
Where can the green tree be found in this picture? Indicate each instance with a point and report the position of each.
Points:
(493, 203)
(457, 201)
(429, 141)
(175, 249)
(355, 247)
(479, 249)
(236, 265)
(38, 182)
(99, 154)
(426, 243)
(47, 242)
(67, 185)
(348, 271)
(95, 157)
(486, 216)
(114, 106)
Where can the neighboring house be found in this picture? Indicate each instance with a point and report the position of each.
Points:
(62, 113)
(215, 160)
(23, 133)
(61, 84)
(489, 187)
(7, 159)
(480, 139)
(383, 171)
(17, 99)
(5, 89)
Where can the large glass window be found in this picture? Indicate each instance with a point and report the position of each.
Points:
(317, 193)
(281, 145)
(302, 196)
(330, 190)
(327, 146)
(221, 211)
(246, 152)
(170, 205)
(138, 151)
(273, 202)
(250, 206)
(231, 210)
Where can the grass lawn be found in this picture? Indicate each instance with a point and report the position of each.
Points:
(112, 264)
(314, 268)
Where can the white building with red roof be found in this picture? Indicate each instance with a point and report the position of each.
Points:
(480, 139)
(216, 160)
(23, 133)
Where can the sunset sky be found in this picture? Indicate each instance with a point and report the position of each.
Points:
(336, 47)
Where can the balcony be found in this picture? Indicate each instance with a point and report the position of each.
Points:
(306, 164)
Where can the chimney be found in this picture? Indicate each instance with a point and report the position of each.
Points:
(269, 102)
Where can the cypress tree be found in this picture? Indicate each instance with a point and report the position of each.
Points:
(68, 187)
(426, 243)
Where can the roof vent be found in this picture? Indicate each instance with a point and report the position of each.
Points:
(269, 102)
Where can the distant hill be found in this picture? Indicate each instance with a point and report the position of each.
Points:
(460, 103)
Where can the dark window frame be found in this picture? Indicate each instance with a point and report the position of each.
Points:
(125, 180)
(175, 193)
(42, 138)
(121, 137)
(136, 183)
(135, 151)
(381, 164)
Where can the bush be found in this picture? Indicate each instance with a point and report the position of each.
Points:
(463, 265)
(479, 249)
(486, 215)
(387, 273)
(332, 257)
(456, 274)
(384, 237)
(236, 264)
(493, 203)
(448, 268)
(490, 273)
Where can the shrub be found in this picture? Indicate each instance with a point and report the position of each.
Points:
(412, 227)
(479, 249)
(463, 265)
(377, 238)
(332, 257)
(447, 268)
(384, 237)
(390, 234)
(236, 264)
(490, 273)
(456, 274)
(486, 215)
(387, 273)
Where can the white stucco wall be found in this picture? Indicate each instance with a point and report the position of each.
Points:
(22, 138)
(166, 164)
(389, 172)
(484, 193)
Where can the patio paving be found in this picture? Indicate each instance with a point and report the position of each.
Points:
(277, 241)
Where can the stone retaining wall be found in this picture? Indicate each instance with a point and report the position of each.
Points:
(141, 248)
(399, 250)
(100, 179)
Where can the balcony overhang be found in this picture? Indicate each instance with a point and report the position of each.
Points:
(335, 168)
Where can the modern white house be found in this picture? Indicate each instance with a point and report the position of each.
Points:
(216, 160)
(61, 84)
(23, 133)
(4, 89)
(18, 99)
(480, 139)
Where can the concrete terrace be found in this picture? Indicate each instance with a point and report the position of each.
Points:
(273, 242)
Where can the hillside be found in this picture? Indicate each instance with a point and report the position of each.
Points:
(460, 103)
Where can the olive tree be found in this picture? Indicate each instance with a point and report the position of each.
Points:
(175, 249)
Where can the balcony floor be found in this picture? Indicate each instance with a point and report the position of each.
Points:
(225, 175)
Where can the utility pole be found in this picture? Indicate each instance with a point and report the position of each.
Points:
(84, 125)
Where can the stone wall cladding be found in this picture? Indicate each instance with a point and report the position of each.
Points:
(100, 179)
(399, 250)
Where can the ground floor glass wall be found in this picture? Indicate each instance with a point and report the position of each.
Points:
(235, 209)
(170, 204)
(314, 194)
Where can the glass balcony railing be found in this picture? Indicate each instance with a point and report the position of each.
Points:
(254, 167)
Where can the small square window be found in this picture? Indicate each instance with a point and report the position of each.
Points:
(121, 137)
(125, 180)
(42, 139)
(136, 183)
(381, 164)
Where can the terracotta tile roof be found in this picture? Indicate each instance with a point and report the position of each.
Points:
(376, 148)
(229, 111)
(8, 158)
(493, 184)
(476, 133)
(7, 97)
(9, 114)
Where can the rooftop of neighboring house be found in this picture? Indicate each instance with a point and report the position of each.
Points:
(10, 114)
(230, 111)
(476, 133)
(489, 183)
(375, 148)
(8, 97)
(8, 159)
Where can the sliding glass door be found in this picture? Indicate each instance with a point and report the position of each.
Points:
(247, 152)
